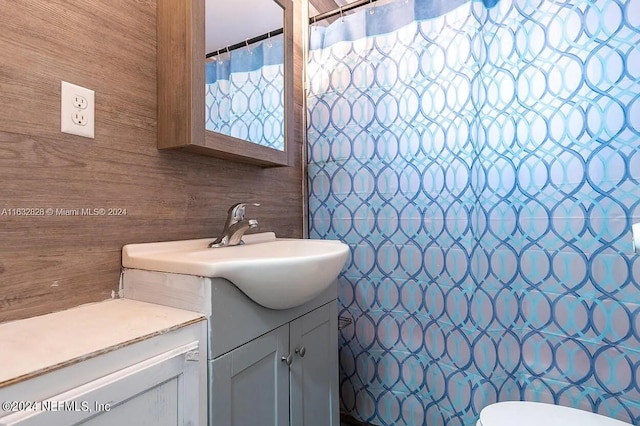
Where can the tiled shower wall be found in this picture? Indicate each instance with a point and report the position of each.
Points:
(483, 165)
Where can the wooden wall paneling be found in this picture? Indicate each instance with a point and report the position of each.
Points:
(55, 262)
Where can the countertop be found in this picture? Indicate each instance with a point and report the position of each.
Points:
(34, 346)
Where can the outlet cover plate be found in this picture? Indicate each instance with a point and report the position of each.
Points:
(69, 111)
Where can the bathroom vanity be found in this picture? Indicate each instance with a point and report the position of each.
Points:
(272, 320)
(119, 362)
(265, 366)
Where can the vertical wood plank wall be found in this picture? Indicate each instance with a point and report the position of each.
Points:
(49, 263)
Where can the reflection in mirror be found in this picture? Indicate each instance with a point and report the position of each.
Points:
(244, 71)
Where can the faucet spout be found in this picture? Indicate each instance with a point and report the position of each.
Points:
(235, 226)
(235, 233)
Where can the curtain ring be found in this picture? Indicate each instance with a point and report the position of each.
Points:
(246, 42)
(341, 15)
(269, 44)
(372, 7)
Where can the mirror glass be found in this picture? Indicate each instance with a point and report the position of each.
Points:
(244, 71)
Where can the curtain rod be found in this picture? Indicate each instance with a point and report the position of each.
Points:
(246, 43)
(339, 11)
(326, 15)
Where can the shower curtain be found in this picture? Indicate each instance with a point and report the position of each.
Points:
(482, 161)
(245, 93)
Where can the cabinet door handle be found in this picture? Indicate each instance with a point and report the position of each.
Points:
(301, 351)
(287, 359)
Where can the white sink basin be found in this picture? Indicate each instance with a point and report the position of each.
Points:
(278, 273)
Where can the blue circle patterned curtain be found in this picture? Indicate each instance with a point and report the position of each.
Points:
(482, 161)
(245, 93)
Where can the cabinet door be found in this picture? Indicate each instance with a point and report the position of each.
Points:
(314, 370)
(160, 391)
(250, 385)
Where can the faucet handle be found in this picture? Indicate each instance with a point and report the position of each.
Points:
(236, 212)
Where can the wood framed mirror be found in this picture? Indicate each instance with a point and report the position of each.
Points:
(181, 55)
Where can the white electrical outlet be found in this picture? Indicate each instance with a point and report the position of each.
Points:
(80, 102)
(77, 110)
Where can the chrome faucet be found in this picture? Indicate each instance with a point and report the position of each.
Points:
(235, 226)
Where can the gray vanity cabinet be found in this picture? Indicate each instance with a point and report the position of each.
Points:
(250, 384)
(289, 374)
(314, 369)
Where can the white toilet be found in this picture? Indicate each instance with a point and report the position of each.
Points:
(521, 413)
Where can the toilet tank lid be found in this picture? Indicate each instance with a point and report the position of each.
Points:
(524, 413)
